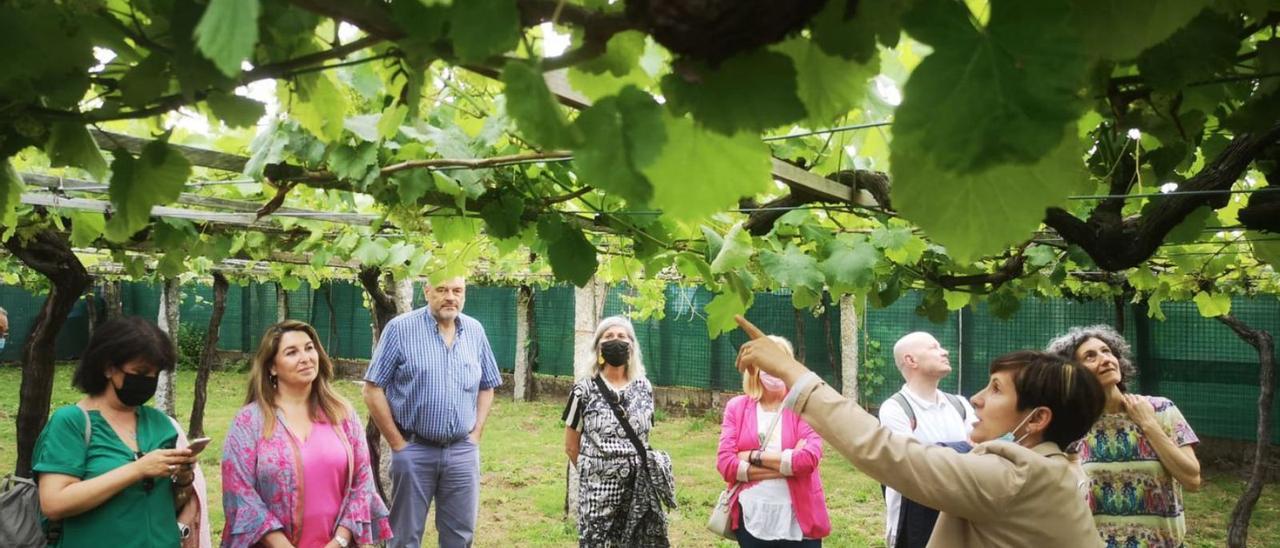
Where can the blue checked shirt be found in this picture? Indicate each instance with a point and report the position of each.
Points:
(430, 387)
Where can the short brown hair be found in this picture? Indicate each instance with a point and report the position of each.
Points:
(1073, 394)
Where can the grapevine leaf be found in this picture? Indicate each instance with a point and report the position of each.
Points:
(851, 264)
(483, 28)
(735, 252)
(956, 299)
(454, 229)
(86, 227)
(1003, 303)
(145, 81)
(793, 268)
(1040, 256)
(618, 134)
(752, 92)
(1212, 305)
(392, 118)
(71, 145)
(10, 195)
(899, 244)
(364, 126)
(572, 257)
(827, 85)
(536, 114)
(990, 96)
(1205, 46)
(853, 35)
(504, 215)
(353, 164)
(227, 33)
(235, 110)
(1265, 250)
(694, 267)
(321, 107)
(700, 172)
(1121, 29)
(720, 312)
(980, 213)
(371, 252)
(412, 185)
(155, 177)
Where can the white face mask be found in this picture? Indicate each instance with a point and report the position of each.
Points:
(1009, 436)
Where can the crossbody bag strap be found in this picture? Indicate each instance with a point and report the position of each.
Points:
(626, 424)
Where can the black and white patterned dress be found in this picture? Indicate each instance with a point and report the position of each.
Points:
(607, 468)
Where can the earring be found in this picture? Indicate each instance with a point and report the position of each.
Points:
(599, 359)
(274, 382)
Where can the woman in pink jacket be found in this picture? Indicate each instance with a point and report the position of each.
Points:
(772, 461)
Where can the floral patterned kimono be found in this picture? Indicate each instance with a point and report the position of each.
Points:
(261, 478)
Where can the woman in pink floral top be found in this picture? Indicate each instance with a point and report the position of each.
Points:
(295, 466)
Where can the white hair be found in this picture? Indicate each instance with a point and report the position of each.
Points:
(3, 312)
(588, 363)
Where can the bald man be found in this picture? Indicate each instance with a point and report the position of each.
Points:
(923, 411)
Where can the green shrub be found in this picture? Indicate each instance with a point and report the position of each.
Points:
(190, 345)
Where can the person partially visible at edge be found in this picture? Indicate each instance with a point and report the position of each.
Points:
(781, 503)
(295, 465)
(613, 508)
(429, 388)
(119, 487)
(1019, 493)
(4, 328)
(1139, 455)
(923, 363)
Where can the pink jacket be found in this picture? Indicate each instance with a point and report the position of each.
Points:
(739, 432)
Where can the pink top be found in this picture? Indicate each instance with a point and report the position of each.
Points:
(324, 471)
(739, 432)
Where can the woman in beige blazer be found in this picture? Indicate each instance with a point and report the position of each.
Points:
(1023, 492)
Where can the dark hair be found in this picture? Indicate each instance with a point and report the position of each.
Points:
(1070, 391)
(118, 342)
(1065, 345)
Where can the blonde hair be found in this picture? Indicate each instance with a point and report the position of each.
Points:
(751, 377)
(588, 362)
(325, 401)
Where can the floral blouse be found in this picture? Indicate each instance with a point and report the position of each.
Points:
(261, 477)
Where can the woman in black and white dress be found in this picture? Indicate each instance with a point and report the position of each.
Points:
(617, 505)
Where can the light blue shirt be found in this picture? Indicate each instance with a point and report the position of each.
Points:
(431, 387)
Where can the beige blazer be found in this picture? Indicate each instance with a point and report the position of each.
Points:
(999, 494)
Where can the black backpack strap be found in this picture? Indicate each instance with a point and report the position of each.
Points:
(622, 418)
(959, 405)
(906, 406)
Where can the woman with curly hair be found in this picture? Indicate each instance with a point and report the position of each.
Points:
(1139, 455)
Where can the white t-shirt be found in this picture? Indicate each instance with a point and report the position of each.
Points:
(936, 422)
(766, 506)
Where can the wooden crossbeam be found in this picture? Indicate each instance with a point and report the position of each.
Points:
(78, 185)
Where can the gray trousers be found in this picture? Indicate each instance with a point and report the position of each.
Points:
(451, 476)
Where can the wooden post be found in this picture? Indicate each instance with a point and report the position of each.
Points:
(849, 347)
(168, 322)
(588, 304)
(524, 364)
(282, 303)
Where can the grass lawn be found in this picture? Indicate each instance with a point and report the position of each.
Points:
(523, 464)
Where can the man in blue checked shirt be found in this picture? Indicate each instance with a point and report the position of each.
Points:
(429, 388)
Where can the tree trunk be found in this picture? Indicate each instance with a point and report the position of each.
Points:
(383, 308)
(383, 305)
(1260, 340)
(208, 355)
(1119, 301)
(168, 320)
(48, 253)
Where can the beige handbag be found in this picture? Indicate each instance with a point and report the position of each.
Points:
(719, 522)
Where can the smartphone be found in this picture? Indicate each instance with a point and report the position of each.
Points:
(197, 445)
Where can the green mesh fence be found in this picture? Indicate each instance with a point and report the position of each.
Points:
(23, 307)
(1197, 362)
(1205, 368)
(553, 330)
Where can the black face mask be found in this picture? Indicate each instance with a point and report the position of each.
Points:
(136, 389)
(616, 353)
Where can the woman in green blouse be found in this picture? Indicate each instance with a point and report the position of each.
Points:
(117, 489)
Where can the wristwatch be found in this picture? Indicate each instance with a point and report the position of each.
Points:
(184, 531)
(344, 543)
